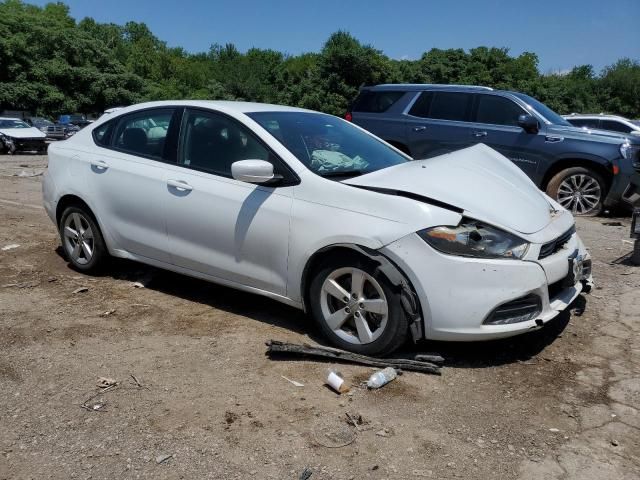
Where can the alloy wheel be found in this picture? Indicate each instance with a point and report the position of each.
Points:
(580, 193)
(79, 241)
(354, 305)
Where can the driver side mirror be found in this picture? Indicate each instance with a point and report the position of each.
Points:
(253, 171)
(528, 123)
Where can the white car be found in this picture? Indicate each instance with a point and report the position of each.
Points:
(613, 123)
(317, 213)
(17, 135)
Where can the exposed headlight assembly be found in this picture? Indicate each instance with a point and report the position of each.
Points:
(474, 239)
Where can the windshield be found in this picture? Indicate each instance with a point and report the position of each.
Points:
(327, 145)
(543, 110)
(13, 123)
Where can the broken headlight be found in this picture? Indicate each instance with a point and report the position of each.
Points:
(475, 239)
(8, 141)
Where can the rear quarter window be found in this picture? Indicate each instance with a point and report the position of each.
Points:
(102, 134)
(376, 101)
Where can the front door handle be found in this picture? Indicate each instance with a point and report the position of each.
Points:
(180, 185)
(419, 129)
(479, 134)
(99, 164)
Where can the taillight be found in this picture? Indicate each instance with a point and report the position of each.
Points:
(348, 117)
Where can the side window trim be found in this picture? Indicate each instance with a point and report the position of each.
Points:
(289, 176)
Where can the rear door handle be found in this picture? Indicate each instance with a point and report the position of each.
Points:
(180, 185)
(99, 164)
(479, 134)
(419, 129)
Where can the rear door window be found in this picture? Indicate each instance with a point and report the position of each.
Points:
(496, 110)
(143, 133)
(376, 101)
(443, 106)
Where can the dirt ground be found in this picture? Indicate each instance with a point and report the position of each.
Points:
(560, 403)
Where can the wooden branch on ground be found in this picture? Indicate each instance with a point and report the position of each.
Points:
(277, 347)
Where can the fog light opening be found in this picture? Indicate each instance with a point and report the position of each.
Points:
(523, 309)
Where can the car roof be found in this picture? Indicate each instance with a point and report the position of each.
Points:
(11, 118)
(241, 107)
(410, 87)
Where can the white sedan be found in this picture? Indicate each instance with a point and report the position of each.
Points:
(16, 136)
(317, 213)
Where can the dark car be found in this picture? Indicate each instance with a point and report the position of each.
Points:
(50, 129)
(583, 170)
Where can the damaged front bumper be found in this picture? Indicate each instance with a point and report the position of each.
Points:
(12, 145)
(466, 299)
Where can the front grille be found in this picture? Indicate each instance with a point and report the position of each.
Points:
(554, 246)
(520, 310)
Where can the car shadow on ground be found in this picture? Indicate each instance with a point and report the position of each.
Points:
(456, 354)
(226, 299)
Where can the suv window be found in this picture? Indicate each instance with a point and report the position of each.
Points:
(497, 110)
(615, 126)
(212, 142)
(585, 122)
(422, 105)
(143, 133)
(443, 106)
(375, 101)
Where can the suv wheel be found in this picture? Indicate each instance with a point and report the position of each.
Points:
(578, 189)
(357, 309)
(82, 240)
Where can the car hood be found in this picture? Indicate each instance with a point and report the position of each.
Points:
(478, 180)
(31, 132)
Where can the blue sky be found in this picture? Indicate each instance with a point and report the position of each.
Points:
(563, 33)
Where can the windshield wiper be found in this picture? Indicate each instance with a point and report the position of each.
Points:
(342, 173)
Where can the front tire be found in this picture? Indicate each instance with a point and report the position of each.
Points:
(578, 189)
(357, 308)
(82, 240)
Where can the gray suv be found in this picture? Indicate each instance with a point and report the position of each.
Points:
(583, 170)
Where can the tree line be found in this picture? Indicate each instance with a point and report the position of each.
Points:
(51, 64)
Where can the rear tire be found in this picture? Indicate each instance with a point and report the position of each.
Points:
(82, 240)
(357, 307)
(580, 190)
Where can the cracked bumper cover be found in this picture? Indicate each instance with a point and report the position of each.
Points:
(457, 294)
